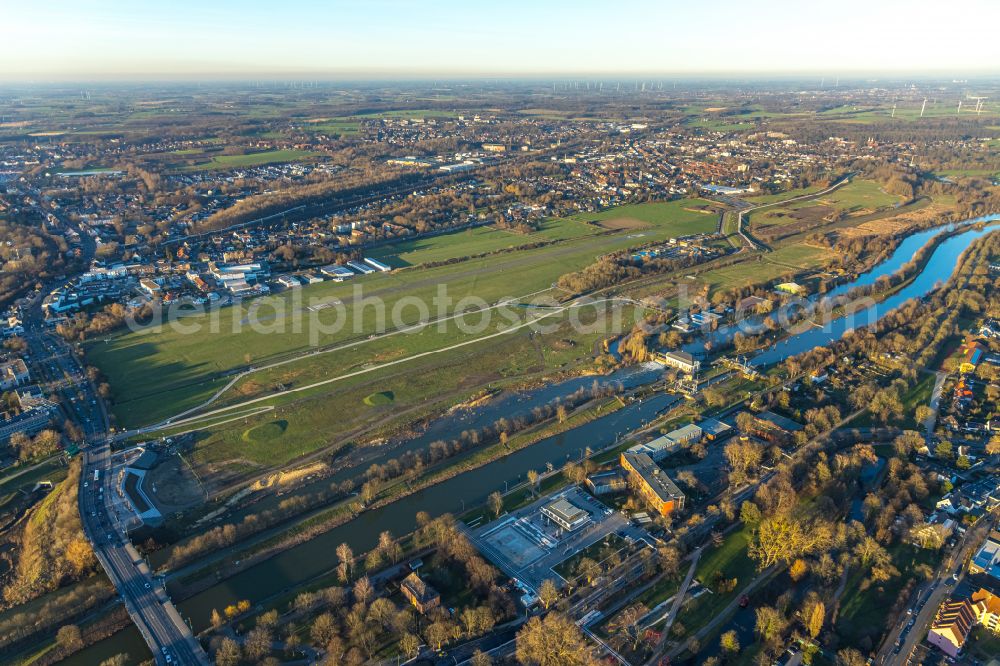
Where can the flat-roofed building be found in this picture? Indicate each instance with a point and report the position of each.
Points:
(653, 483)
(987, 558)
(13, 373)
(606, 483)
(715, 430)
(566, 515)
(664, 445)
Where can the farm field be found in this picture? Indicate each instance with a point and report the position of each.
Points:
(340, 126)
(251, 159)
(905, 112)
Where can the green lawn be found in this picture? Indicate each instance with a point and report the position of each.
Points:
(727, 561)
(338, 126)
(328, 415)
(799, 255)
(746, 273)
(967, 173)
(920, 394)
(251, 159)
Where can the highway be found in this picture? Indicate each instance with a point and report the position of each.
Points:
(169, 638)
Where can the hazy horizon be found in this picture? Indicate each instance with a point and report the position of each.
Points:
(397, 39)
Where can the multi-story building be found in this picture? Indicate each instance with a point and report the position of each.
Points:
(652, 483)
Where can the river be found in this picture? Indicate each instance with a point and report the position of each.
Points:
(316, 557)
(903, 254)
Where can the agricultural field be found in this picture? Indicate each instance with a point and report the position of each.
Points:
(340, 126)
(905, 112)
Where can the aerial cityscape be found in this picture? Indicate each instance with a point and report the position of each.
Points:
(411, 333)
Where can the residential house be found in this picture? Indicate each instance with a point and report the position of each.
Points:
(420, 594)
(951, 627)
(13, 374)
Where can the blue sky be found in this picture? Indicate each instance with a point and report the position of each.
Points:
(113, 38)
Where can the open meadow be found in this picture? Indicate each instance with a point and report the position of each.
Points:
(155, 373)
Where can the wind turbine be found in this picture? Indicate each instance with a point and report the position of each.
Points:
(979, 102)
(922, 107)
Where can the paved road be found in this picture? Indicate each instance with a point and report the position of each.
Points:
(935, 405)
(169, 639)
(910, 629)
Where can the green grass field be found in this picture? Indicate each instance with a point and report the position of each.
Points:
(156, 373)
(855, 198)
(380, 398)
(908, 111)
(339, 126)
(475, 241)
(785, 260)
(672, 218)
(969, 173)
(798, 255)
(251, 159)
(332, 414)
(727, 561)
(783, 196)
